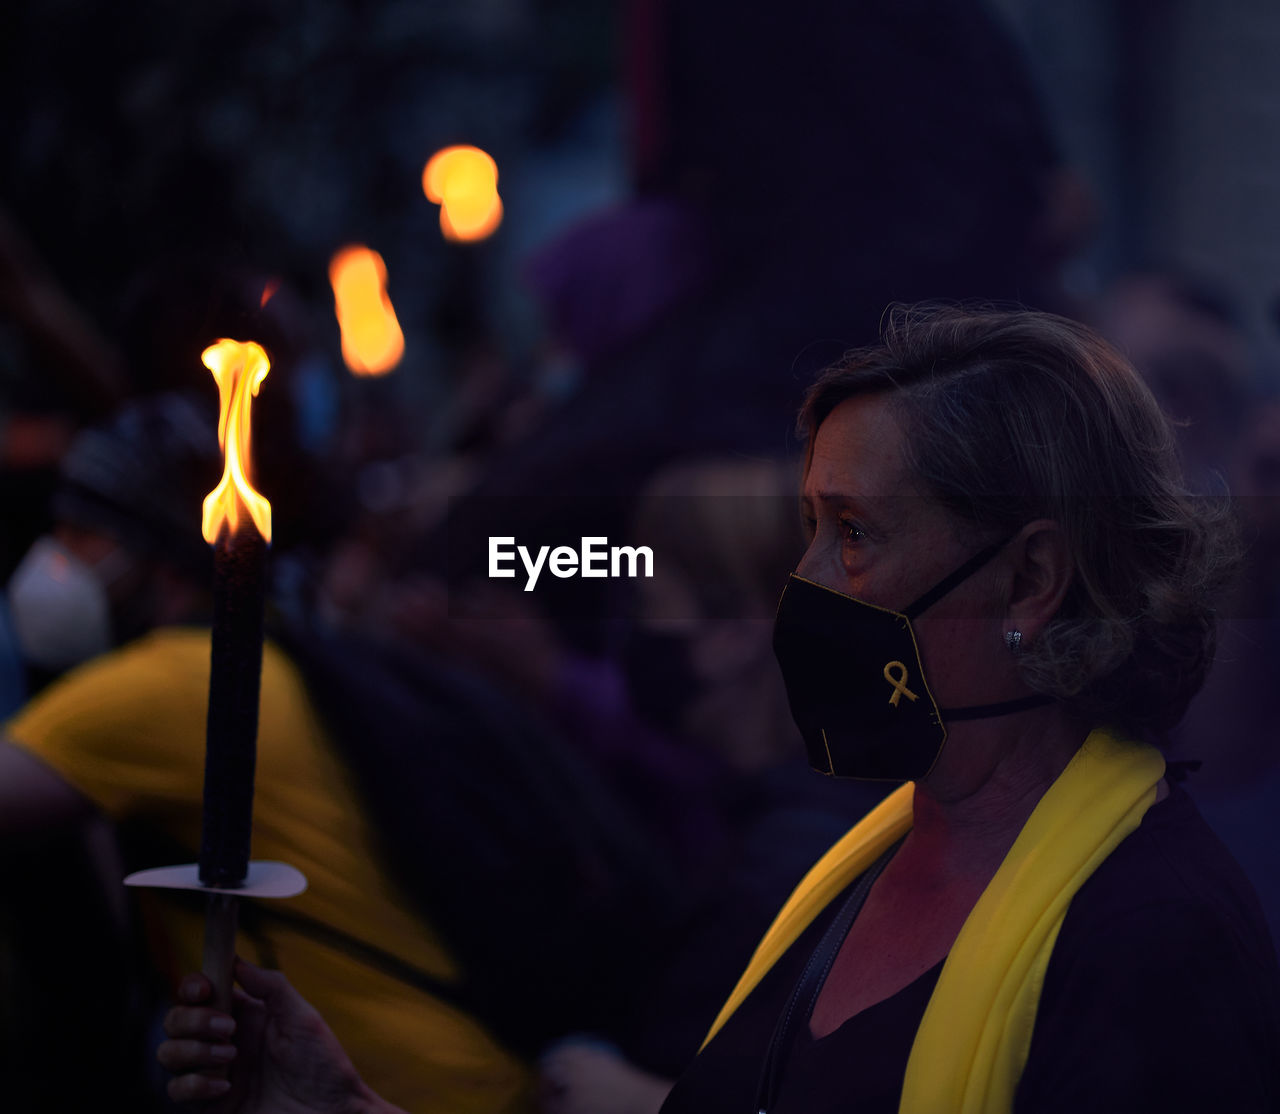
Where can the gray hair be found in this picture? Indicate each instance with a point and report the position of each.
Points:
(1011, 416)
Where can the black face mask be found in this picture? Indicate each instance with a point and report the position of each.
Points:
(660, 678)
(856, 682)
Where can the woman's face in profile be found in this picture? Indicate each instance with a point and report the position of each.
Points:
(875, 535)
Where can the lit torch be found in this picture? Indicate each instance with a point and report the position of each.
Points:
(237, 523)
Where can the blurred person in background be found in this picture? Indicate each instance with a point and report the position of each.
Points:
(1189, 344)
(699, 669)
(1240, 792)
(794, 172)
(56, 372)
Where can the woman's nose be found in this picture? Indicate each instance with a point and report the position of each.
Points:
(811, 564)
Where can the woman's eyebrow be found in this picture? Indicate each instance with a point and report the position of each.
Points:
(864, 507)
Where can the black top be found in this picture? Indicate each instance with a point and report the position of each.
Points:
(1162, 994)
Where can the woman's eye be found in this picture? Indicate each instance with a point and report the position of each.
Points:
(851, 531)
(810, 525)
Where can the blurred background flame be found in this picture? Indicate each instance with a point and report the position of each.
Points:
(463, 181)
(372, 343)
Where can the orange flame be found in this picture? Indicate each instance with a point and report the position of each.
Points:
(238, 367)
(463, 181)
(268, 291)
(372, 342)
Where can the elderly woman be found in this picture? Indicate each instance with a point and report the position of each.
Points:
(1005, 602)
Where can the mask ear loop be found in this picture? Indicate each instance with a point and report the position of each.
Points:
(932, 596)
(991, 711)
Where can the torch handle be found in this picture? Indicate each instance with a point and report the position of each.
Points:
(234, 678)
(221, 920)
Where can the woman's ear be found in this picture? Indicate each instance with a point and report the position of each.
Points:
(1043, 568)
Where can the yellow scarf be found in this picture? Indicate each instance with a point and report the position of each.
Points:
(972, 1044)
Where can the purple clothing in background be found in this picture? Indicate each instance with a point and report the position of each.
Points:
(676, 791)
(611, 277)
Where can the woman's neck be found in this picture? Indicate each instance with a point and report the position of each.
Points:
(984, 787)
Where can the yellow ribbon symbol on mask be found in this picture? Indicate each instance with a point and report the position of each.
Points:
(898, 681)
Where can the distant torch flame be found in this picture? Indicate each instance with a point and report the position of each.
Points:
(463, 181)
(372, 342)
(239, 367)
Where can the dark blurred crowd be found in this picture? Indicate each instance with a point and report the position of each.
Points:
(543, 781)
